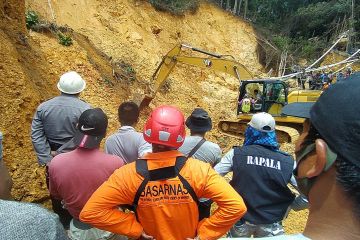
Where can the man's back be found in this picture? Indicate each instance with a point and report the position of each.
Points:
(28, 221)
(260, 176)
(166, 210)
(59, 116)
(127, 144)
(75, 175)
(208, 152)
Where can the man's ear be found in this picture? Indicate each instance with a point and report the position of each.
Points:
(320, 162)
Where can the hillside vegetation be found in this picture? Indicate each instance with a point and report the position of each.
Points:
(304, 27)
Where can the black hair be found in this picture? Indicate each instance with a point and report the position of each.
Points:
(348, 176)
(128, 113)
(197, 132)
(312, 135)
(161, 148)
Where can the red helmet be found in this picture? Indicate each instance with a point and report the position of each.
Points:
(165, 126)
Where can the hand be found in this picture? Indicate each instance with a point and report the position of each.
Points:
(53, 153)
(144, 236)
(196, 238)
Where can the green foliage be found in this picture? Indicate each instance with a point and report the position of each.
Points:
(310, 49)
(31, 19)
(282, 42)
(176, 7)
(124, 72)
(108, 81)
(129, 70)
(64, 39)
(303, 27)
(318, 19)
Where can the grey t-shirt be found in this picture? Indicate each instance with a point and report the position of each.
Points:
(21, 221)
(208, 152)
(54, 122)
(127, 144)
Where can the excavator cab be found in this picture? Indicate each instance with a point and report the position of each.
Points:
(264, 96)
(268, 96)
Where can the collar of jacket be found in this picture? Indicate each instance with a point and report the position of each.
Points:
(162, 155)
(126, 129)
(161, 159)
(69, 95)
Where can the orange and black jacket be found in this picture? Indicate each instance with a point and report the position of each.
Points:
(165, 209)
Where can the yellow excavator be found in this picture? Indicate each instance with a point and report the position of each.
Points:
(213, 61)
(265, 95)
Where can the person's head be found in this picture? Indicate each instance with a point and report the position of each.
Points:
(261, 131)
(128, 113)
(199, 122)
(165, 129)
(71, 83)
(91, 128)
(330, 141)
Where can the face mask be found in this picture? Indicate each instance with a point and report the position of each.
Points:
(305, 184)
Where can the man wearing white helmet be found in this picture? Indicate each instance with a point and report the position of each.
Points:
(54, 124)
(261, 173)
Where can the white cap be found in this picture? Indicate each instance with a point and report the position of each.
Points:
(71, 83)
(263, 122)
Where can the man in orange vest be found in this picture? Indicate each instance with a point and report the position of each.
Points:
(164, 187)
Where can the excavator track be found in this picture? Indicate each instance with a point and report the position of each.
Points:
(285, 134)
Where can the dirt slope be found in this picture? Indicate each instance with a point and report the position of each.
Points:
(130, 31)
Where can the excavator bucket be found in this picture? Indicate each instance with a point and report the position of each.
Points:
(145, 101)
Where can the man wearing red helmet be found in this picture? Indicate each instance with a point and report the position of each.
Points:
(164, 187)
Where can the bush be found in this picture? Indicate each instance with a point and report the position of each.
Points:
(282, 42)
(64, 39)
(312, 49)
(176, 7)
(31, 19)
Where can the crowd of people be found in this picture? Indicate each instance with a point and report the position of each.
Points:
(321, 80)
(160, 183)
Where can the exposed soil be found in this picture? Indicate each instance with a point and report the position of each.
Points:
(107, 32)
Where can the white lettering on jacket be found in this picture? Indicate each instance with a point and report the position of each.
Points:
(264, 162)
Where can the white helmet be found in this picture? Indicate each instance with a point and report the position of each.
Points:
(263, 122)
(71, 83)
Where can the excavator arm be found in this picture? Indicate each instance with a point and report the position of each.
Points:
(214, 62)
